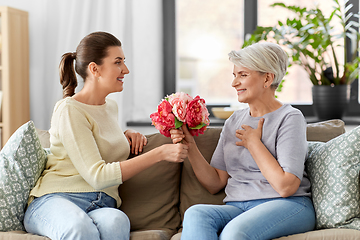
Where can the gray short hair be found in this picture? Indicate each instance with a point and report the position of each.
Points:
(264, 57)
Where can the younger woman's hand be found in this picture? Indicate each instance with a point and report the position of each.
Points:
(248, 135)
(174, 152)
(136, 140)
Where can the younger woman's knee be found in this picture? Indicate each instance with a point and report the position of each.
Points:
(111, 222)
(81, 229)
(121, 220)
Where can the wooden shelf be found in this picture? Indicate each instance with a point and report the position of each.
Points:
(14, 84)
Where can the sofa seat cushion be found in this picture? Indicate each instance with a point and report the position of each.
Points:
(20, 235)
(326, 234)
(150, 199)
(151, 235)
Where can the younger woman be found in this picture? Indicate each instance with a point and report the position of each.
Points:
(76, 196)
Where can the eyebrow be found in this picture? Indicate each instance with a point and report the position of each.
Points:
(240, 72)
(120, 58)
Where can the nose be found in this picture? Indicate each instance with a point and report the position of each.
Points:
(235, 82)
(125, 69)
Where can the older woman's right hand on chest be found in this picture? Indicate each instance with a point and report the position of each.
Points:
(249, 135)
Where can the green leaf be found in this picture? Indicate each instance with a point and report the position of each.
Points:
(199, 126)
(178, 123)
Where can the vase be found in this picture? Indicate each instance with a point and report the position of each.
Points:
(330, 102)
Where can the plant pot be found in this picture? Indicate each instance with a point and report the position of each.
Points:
(330, 102)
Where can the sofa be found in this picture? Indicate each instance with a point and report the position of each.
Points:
(155, 200)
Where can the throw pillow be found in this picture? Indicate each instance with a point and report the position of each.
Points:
(22, 160)
(333, 168)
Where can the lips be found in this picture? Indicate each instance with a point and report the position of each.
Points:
(120, 79)
(240, 91)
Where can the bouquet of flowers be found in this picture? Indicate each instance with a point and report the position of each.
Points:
(178, 109)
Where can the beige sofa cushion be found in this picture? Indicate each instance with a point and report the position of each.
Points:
(151, 235)
(326, 234)
(325, 131)
(44, 137)
(151, 198)
(20, 235)
(191, 191)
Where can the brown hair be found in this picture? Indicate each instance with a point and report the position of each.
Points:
(92, 48)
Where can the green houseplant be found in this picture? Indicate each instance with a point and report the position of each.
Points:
(311, 40)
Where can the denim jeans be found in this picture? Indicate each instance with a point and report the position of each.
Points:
(256, 219)
(75, 216)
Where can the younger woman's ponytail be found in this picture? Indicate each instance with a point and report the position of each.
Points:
(67, 74)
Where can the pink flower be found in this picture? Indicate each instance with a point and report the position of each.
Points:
(178, 109)
(163, 119)
(179, 102)
(197, 113)
(164, 108)
(179, 95)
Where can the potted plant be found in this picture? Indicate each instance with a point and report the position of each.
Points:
(310, 39)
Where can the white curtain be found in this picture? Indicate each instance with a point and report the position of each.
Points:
(57, 26)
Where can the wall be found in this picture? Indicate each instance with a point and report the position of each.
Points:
(57, 26)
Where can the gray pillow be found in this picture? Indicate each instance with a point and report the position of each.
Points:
(22, 160)
(333, 169)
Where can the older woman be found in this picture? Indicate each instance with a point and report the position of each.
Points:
(259, 159)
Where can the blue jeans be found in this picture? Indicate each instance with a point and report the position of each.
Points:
(75, 216)
(256, 219)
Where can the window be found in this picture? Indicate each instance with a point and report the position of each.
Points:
(205, 33)
(297, 86)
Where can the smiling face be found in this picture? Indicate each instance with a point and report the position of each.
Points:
(249, 85)
(113, 70)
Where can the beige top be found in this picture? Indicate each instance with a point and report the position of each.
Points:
(86, 144)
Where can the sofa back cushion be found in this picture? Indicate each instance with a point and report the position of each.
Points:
(150, 199)
(325, 131)
(191, 191)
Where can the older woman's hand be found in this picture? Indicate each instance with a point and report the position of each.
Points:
(248, 135)
(177, 135)
(136, 140)
(182, 135)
